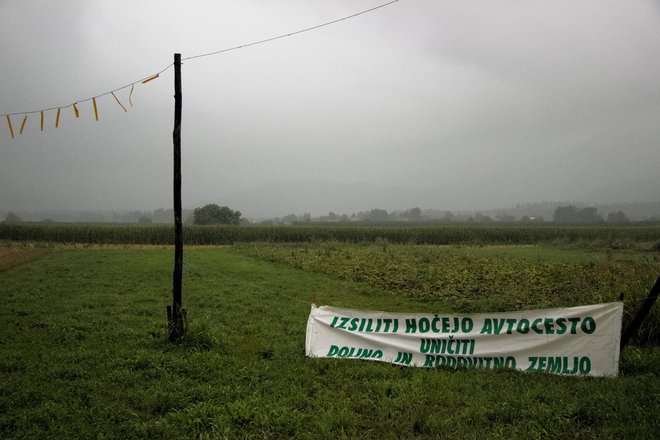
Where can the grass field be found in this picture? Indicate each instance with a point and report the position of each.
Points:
(84, 352)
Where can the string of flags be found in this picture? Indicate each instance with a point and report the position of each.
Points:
(93, 99)
(23, 116)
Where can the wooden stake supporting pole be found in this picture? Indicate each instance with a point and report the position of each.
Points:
(176, 314)
(641, 314)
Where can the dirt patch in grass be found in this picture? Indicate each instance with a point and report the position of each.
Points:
(12, 256)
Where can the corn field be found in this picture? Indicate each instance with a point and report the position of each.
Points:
(611, 236)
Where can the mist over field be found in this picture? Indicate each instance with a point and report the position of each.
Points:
(455, 106)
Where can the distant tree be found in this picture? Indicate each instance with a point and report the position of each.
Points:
(571, 215)
(144, 220)
(12, 218)
(134, 217)
(289, 219)
(415, 214)
(213, 214)
(566, 214)
(377, 215)
(617, 217)
(480, 218)
(590, 215)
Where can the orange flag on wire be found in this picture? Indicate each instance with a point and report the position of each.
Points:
(42, 120)
(117, 99)
(57, 117)
(151, 78)
(23, 124)
(75, 110)
(11, 129)
(96, 110)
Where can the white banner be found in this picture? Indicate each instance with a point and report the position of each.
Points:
(571, 341)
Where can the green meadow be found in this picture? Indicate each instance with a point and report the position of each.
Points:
(84, 351)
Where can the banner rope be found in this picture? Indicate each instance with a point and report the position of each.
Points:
(157, 74)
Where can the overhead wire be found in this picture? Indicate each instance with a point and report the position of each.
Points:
(154, 76)
(267, 40)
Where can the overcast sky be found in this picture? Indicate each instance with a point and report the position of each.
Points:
(430, 103)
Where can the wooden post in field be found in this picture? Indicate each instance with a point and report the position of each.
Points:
(641, 314)
(176, 314)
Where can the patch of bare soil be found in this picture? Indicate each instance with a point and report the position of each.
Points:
(12, 256)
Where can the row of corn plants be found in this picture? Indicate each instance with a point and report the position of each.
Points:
(615, 236)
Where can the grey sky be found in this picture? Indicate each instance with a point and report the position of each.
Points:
(437, 104)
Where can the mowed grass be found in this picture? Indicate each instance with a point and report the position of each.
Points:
(84, 356)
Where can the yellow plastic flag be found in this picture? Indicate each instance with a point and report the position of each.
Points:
(96, 110)
(75, 110)
(130, 96)
(11, 129)
(57, 118)
(151, 78)
(117, 99)
(42, 120)
(23, 124)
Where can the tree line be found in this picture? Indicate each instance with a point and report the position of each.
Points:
(214, 214)
(562, 215)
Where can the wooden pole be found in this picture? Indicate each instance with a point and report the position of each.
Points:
(641, 314)
(176, 314)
